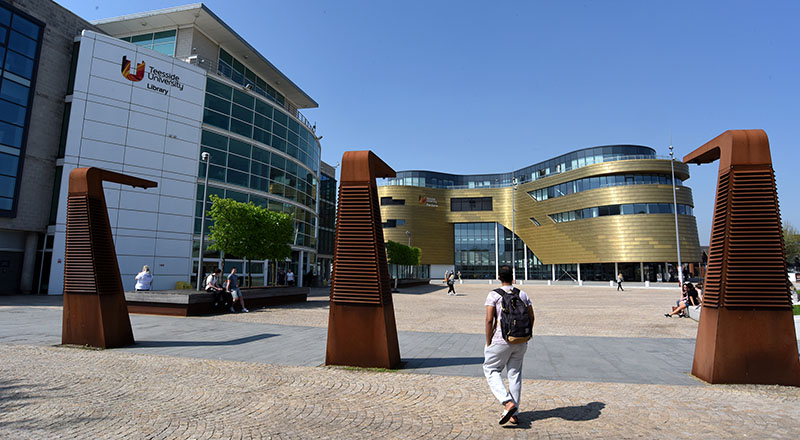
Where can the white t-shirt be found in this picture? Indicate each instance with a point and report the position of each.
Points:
(211, 281)
(495, 300)
(290, 276)
(143, 281)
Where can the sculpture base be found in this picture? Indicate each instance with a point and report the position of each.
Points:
(746, 347)
(362, 336)
(96, 320)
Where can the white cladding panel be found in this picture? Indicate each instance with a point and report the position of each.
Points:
(146, 124)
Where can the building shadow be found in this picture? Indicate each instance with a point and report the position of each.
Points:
(237, 341)
(580, 413)
(430, 362)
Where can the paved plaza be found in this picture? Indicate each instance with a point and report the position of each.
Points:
(603, 364)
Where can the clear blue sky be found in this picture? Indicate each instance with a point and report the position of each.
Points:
(482, 87)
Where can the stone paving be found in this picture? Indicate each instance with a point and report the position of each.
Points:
(163, 388)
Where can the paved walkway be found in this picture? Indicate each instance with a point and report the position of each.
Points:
(596, 369)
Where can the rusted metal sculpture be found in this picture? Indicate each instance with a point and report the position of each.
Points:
(361, 325)
(746, 332)
(95, 312)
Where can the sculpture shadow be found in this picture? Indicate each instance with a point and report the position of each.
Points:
(429, 362)
(237, 341)
(581, 413)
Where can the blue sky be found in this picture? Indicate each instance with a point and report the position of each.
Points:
(483, 87)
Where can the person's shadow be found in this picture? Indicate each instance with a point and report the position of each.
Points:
(590, 411)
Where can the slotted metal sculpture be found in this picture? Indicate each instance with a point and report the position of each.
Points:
(746, 332)
(95, 312)
(361, 325)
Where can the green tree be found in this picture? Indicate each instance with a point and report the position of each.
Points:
(791, 242)
(402, 255)
(249, 231)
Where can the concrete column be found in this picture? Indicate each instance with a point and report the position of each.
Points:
(553, 272)
(300, 268)
(641, 270)
(496, 254)
(580, 280)
(616, 270)
(28, 263)
(525, 252)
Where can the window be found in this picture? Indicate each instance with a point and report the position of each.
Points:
(163, 42)
(625, 209)
(387, 201)
(471, 204)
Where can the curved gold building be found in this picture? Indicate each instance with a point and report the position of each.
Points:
(587, 214)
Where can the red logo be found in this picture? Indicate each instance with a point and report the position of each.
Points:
(126, 70)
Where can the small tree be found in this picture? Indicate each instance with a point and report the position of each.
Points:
(250, 231)
(791, 242)
(402, 255)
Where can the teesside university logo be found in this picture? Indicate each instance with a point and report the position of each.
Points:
(126, 70)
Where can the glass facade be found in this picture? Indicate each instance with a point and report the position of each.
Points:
(626, 209)
(327, 214)
(606, 181)
(476, 248)
(470, 204)
(20, 41)
(560, 164)
(163, 42)
(242, 113)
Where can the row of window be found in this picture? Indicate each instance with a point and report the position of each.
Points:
(19, 44)
(232, 68)
(163, 42)
(587, 183)
(388, 201)
(305, 222)
(626, 209)
(393, 223)
(241, 113)
(471, 204)
(560, 164)
(251, 166)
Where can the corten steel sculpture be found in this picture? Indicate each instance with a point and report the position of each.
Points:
(746, 332)
(361, 326)
(95, 312)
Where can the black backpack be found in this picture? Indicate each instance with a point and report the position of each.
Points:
(515, 322)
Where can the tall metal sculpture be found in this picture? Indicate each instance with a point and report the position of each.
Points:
(361, 325)
(746, 332)
(95, 312)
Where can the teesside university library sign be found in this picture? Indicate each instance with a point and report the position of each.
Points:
(153, 74)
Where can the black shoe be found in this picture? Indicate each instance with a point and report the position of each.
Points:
(667, 315)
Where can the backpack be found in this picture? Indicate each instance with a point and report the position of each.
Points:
(515, 322)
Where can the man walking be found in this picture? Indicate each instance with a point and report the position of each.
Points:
(619, 282)
(232, 287)
(451, 282)
(499, 353)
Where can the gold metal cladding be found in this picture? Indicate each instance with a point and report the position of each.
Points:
(618, 238)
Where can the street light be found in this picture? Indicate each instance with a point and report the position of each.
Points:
(675, 209)
(206, 157)
(408, 234)
(514, 184)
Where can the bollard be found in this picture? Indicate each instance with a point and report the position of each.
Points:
(611, 283)
(647, 283)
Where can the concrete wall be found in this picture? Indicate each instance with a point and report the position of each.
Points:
(134, 128)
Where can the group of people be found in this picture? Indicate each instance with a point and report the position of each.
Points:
(285, 278)
(690, 296)
(228, 295)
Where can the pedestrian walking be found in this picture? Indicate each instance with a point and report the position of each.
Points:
(509, 326)
(451, 282)
(619, 282)
(290, 277)
(232, 287)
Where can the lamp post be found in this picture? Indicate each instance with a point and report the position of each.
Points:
(675, 209)
(408, 234)
(206, 157)
(514, 185)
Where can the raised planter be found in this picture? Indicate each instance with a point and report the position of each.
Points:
(192, 303)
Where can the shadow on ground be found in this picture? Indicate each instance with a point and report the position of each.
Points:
(581, 413)
(440, 362)
(238, 341)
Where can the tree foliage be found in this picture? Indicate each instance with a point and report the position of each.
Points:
(249, 231)
(791, 242)
(398, 253)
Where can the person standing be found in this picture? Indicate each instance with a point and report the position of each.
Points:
(144, 279)
(281, 277)
(290, 277)
(619, 282)
(232, 287)
(451, 282)
(499, 353)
